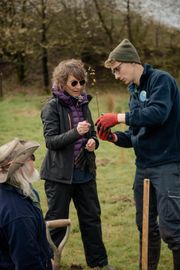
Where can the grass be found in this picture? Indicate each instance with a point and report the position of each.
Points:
(20, 117)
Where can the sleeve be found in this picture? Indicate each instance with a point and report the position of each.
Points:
(22, 237)
(92, 130)
(158, 106)
(51, 124)
(124, 139)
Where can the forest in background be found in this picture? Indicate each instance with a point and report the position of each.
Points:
(35, 35)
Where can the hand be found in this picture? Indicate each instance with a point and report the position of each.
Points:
(91, 144)
(107, 120)
(83, 127)
(106, 135)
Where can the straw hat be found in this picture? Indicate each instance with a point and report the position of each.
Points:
(13, 155)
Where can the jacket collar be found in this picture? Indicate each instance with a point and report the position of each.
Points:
(143, 79)
(34, 198)
(67, 100)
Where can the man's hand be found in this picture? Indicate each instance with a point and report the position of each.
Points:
(106, 135)
(107, 120)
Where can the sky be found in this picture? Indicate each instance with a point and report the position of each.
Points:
(163, 11)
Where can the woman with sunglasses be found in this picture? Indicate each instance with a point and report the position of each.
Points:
(69, 168)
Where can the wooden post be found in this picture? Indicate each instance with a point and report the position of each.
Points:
(145, 229)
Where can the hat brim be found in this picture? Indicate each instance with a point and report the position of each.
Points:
(20, 158)
(7, 148)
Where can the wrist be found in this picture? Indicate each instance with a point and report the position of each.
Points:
(121, 117)
(78, 130)
(115, 138)
(112, 138)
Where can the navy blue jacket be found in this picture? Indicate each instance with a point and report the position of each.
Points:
(153, 119)
(23, 243)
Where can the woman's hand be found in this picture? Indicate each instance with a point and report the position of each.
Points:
(91, 144)
(83, 127)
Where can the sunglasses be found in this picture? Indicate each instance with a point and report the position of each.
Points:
(32, 157)
(74, 83)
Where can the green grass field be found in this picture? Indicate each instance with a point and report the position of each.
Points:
(20, 117)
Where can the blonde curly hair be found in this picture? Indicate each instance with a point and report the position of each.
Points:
(74, 67)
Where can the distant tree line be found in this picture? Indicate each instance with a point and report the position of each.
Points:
(36, 34)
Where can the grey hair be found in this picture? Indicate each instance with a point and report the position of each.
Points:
(20, 180)
(65, 68)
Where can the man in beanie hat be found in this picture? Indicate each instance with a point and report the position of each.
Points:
(153, 122)
(23, 243)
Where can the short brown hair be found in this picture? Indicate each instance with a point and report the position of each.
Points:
(74, 67)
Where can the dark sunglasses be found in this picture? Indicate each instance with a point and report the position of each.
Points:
(74, 83)
(32, 157)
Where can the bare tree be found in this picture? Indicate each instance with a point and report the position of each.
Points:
(108, 30)
(41, 9)
(128, 17)
(14, 34)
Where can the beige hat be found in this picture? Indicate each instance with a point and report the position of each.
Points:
(13, 155)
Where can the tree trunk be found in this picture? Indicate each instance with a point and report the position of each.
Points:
(45, 67)
(44, 49)
(129, 21)
(106, 29)
(20, 67)
(1, 85)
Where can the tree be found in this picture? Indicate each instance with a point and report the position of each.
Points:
(42, 9)
(14, 34)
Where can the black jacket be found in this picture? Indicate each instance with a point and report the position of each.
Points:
(60, 136)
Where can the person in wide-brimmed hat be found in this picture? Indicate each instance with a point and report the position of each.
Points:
(153, 122)
(23, 243)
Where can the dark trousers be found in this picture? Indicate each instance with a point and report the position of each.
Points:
(165, 203)
(87, 205)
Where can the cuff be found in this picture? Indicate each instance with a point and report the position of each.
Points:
(127, 120)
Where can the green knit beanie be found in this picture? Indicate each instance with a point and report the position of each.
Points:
(124, 52)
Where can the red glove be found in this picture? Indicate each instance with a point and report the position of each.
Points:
(107, 120)
(106, 135)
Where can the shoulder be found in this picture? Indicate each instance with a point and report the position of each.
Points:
(158, 74)
(89, 97)
(13, 206)
(50, 107)
(52, 101)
